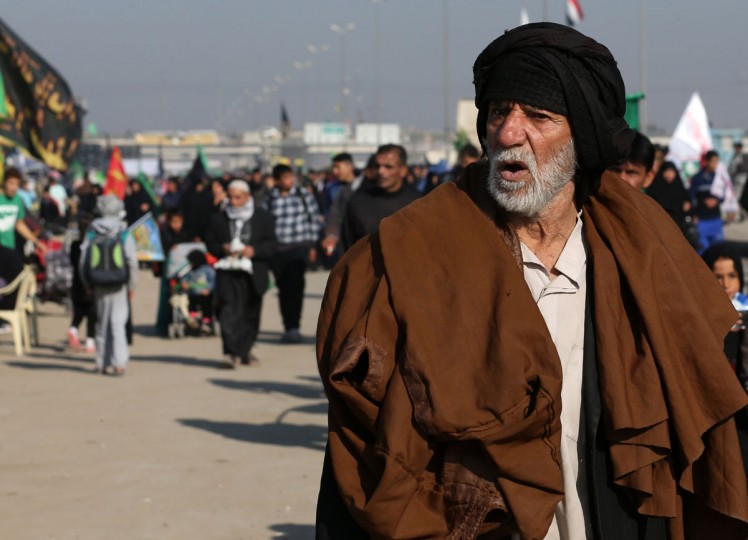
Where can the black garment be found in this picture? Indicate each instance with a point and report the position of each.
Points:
(368, 206)
(671, 196)
(262, 239)
(129, 331)
(82, 299)
(239, 308)
(239, 294)
(85, 310)
(49, 212)
(169, 237)
(609, 514)
(86, 202)
(78, 293)
(289, 267)
(11, 265)
(134, 205)
(336, 212)
(196, 208)
(170, 202)
(202, 303)
(259, 192)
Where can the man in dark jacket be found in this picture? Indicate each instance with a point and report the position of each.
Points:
(243, 238)
(337, 194)
(370, 204)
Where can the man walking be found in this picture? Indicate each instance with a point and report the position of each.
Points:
(339, 192)
(242, 237)
(297, 225)
(372, 203)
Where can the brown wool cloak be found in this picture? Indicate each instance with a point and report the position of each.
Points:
(444, 383)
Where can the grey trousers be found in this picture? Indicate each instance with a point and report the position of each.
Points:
(112, 311)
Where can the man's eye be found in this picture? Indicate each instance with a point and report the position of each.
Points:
(538, 115)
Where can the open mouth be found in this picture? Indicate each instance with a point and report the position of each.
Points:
(513, 166)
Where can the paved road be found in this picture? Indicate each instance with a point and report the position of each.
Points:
(179, 448)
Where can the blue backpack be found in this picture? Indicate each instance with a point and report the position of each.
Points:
(106, 264)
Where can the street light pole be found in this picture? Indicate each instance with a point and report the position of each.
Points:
(446, 82)
(344, 90)
(378, 101)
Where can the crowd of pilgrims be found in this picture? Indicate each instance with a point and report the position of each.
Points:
(185, 209)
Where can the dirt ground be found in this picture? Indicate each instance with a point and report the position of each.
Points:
(179, 448)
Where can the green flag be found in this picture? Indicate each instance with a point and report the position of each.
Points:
(3, 107)
(632, 110)
(202, 158)
(146, 185)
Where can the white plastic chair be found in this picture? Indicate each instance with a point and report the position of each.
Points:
(30, 306)
(17, 316)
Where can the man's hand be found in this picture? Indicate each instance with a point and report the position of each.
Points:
(312, 255)
(328, 244)
(25, 232)
(248, 252)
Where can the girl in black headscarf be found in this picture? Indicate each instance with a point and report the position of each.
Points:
(728, 269)
(668, 190)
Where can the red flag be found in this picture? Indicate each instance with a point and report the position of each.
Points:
(574, 13)
(116, 179)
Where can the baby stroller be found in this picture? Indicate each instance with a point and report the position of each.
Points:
(55, 274)
(183, 320)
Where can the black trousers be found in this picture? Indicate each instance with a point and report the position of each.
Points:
(239, 307)
(85, 310)
(289, 268)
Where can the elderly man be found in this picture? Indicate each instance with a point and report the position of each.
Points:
(242, 236)
(509, 357)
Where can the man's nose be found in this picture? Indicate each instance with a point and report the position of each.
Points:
(512, 130)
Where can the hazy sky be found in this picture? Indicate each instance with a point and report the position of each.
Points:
(190, 64)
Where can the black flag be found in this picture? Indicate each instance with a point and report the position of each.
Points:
(285, 122)
(38, 112)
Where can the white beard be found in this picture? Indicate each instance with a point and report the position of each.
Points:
(528, 198)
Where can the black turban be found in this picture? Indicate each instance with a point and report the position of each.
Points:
(556, 68)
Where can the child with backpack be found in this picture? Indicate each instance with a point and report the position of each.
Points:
(109, 267)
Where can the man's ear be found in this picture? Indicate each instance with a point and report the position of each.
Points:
(649, 178)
